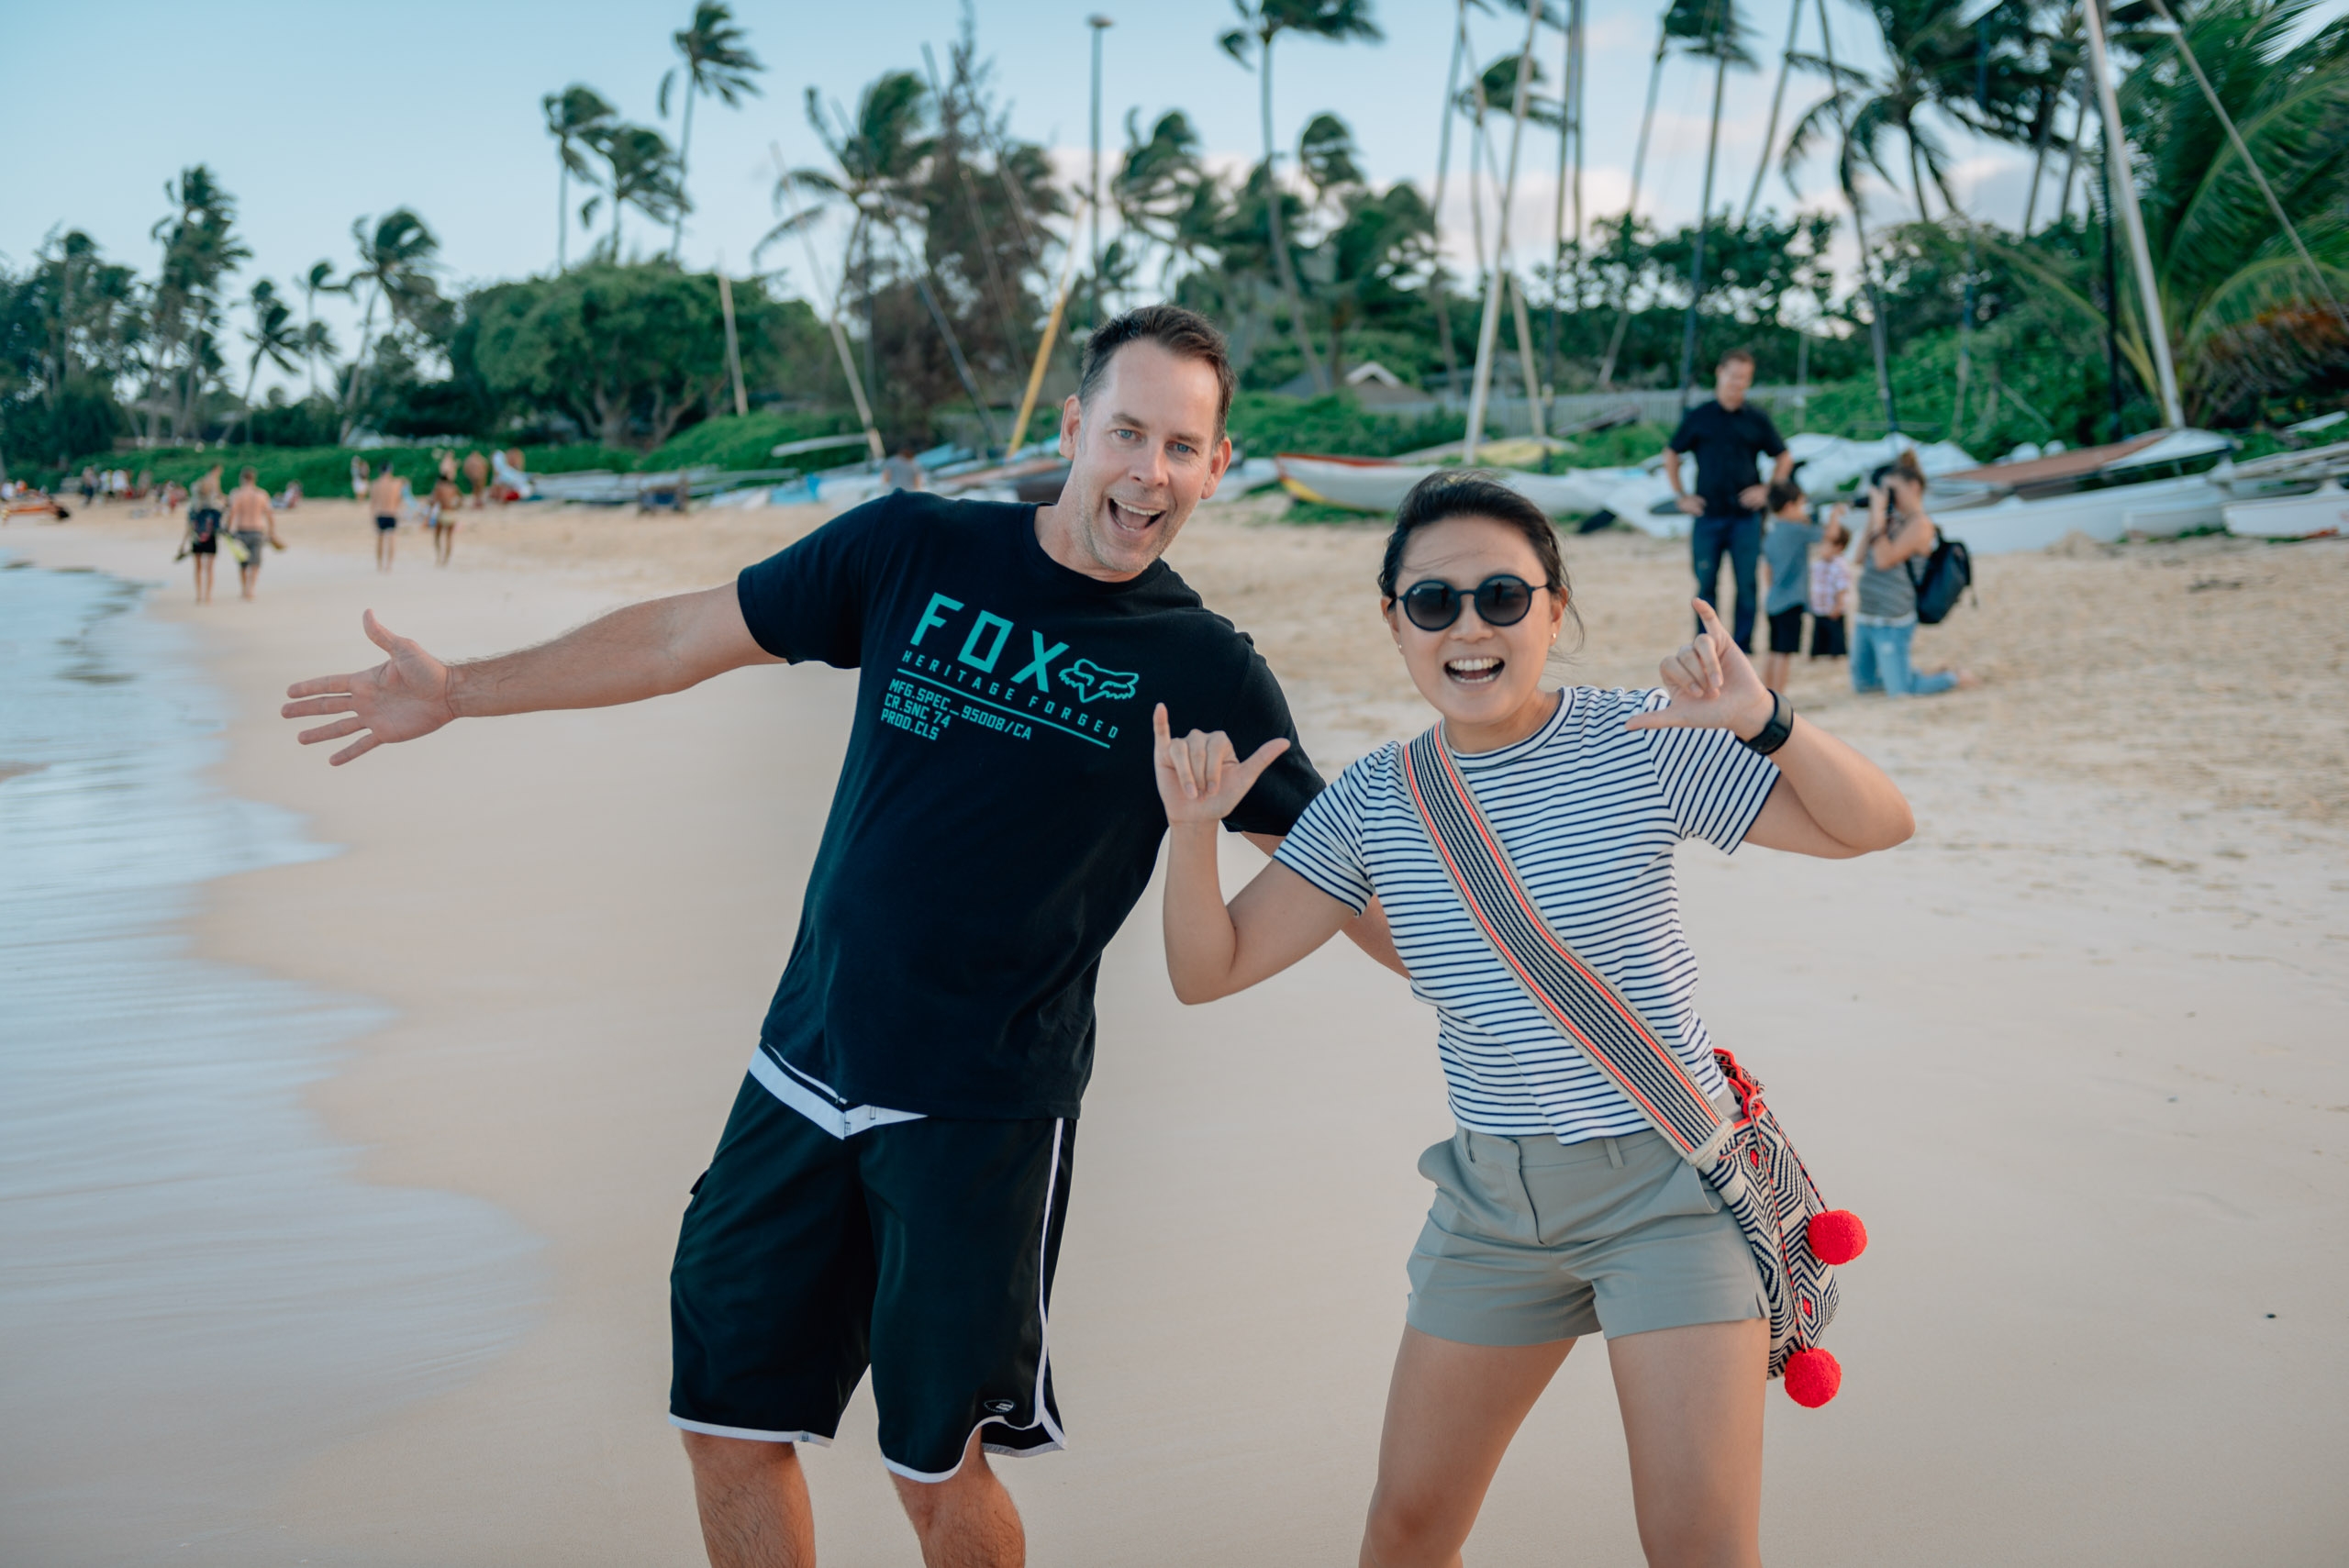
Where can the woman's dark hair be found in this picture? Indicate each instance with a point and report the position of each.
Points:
(1469, 493)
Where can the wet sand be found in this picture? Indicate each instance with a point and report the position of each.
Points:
(2074, 1053)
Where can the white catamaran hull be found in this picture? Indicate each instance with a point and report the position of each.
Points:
(1381, 486)
(2325, 511)
(2158, 506)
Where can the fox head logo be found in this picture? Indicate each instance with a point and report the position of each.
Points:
(1093, 684)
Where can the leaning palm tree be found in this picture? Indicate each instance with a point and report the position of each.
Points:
(1159, 186)
(577, 118)
(318, 280)
(273, 337)
(1262, 22)
(718, 66)
(396, 257)
(643, 173)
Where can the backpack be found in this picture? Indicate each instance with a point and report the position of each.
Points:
(1948, 573)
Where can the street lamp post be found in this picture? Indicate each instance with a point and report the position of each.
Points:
(1099, 24)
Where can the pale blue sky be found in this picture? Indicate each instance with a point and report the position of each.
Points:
(314, 113)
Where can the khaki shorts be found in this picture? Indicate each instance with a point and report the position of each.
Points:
(1532, 1240)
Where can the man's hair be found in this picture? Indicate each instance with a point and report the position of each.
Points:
(1784, 492)
(1183, 333)
(247, 475)
(1734, 355)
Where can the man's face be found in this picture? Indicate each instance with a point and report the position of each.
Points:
(1142, 454)
(1731, 380)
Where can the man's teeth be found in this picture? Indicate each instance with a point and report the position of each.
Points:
(1144, 517)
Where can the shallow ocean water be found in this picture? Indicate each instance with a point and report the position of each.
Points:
(196, 1291)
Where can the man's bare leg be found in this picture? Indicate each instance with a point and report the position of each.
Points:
(753, 1502)
(967, 1521)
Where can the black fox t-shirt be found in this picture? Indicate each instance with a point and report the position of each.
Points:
(997, 816)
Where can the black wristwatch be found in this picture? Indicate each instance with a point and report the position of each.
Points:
(1773, 735)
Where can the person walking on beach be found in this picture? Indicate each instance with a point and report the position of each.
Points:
(1558, 1212)
(1726, 435)
(1899, 532)
(476, 476)
(254, 522)
(442, 512)
(202, 540)
(890, 1189)
(204, 516)
(1786, 555)
(384, 496)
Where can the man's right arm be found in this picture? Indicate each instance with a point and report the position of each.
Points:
(644, 651)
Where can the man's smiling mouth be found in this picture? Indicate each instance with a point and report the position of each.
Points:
(1132, 519)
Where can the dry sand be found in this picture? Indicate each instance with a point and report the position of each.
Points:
(2076, 1053)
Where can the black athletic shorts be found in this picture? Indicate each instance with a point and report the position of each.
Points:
(385, 524)
(1786, 630)
(921, 1249)
(1827, 637)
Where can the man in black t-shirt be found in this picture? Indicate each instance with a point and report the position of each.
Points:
(891, 1186)
(1726, 435)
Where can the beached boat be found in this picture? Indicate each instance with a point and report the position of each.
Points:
(2324, 510)
(2141, 485)
(1379, 484)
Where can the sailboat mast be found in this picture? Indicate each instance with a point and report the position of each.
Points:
(2133, 217)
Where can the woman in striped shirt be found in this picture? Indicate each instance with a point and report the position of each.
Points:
(1557, 1212)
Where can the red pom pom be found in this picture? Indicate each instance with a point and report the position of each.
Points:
(1813, 1378)
(1837, 1236)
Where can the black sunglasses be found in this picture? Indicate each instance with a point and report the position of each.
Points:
(1502, 600)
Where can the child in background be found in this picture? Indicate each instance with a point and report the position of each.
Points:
(1786, 550)
(1831, 586)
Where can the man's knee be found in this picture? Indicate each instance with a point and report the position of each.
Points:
(720, 1459)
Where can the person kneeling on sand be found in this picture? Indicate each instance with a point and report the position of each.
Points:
(253, 522)
(1558, 1213)
(1899, 532)
(891, 1186)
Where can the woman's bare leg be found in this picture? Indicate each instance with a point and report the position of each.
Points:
(1450, 1412)
(1692, 1412)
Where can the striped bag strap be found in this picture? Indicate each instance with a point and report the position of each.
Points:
(1584, 1005)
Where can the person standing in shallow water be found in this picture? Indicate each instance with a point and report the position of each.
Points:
(890, 1190)
(1726, 436)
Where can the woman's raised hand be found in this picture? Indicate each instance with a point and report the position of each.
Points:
(1712, 685)
(1200, 777)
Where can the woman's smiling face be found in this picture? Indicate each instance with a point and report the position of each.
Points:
(1486, 680)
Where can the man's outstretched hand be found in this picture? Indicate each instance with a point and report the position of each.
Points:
(1712, 685)
(404, 697)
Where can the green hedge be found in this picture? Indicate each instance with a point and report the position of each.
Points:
(1264, 423)
(747, 441)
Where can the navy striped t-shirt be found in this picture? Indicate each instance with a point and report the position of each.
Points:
(1590, 813)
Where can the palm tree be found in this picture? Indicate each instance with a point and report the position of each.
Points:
(273, 338)
(1723, 43)
(1684, 22)
(717, 65)
(2242, 309)
(643, 174)
(396, 257)
(200, 248)
(577, 118)
(1160, 185)
(877, 162)
(1262, 22)
(318, 280)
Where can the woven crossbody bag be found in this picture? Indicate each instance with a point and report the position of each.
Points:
(1747, 1160)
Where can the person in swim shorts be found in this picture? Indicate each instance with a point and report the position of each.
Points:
(442, 510)
(385, 495)
(254, 522)
(1558, 1212)
(890, 1190)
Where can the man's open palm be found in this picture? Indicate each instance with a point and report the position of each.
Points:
(1712, 685)
(404, 697)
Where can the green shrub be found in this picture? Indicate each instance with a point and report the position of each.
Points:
(1264, 423)
(736, 443)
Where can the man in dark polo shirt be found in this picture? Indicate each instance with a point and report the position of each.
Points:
(1726, 435)
(890, 1189)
